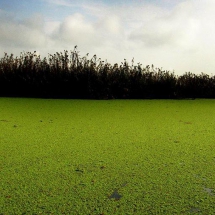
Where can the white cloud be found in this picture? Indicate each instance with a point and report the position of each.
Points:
(176, 29)
(60, 2)
(23, 34)
(180, 37)
(74, 28)
(51, 26)
(110, 24)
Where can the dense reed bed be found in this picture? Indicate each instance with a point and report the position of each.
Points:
(67, 75)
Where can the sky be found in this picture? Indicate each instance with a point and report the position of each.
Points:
(175, 35)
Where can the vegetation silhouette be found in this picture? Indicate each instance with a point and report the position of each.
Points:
(67, 75)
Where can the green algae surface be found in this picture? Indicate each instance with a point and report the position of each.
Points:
(107, 157)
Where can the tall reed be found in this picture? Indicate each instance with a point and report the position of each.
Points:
(67, 75)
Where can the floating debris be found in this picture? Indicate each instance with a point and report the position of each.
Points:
(124, 184)
(79, 170)
(4, 120)
(82, 184)
(188, 123)
(176, 141)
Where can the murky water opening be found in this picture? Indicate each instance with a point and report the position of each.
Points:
(209, 191)
(194, 210)
(115, 195)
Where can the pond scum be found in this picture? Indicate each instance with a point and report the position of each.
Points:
(67, 75)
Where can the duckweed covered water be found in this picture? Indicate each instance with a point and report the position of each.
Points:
(107, 157)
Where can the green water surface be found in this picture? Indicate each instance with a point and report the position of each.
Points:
(107, 157)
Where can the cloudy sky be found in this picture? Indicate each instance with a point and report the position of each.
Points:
(176, 35)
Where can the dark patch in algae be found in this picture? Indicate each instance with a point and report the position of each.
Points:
(115, 195)
(194, 210)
